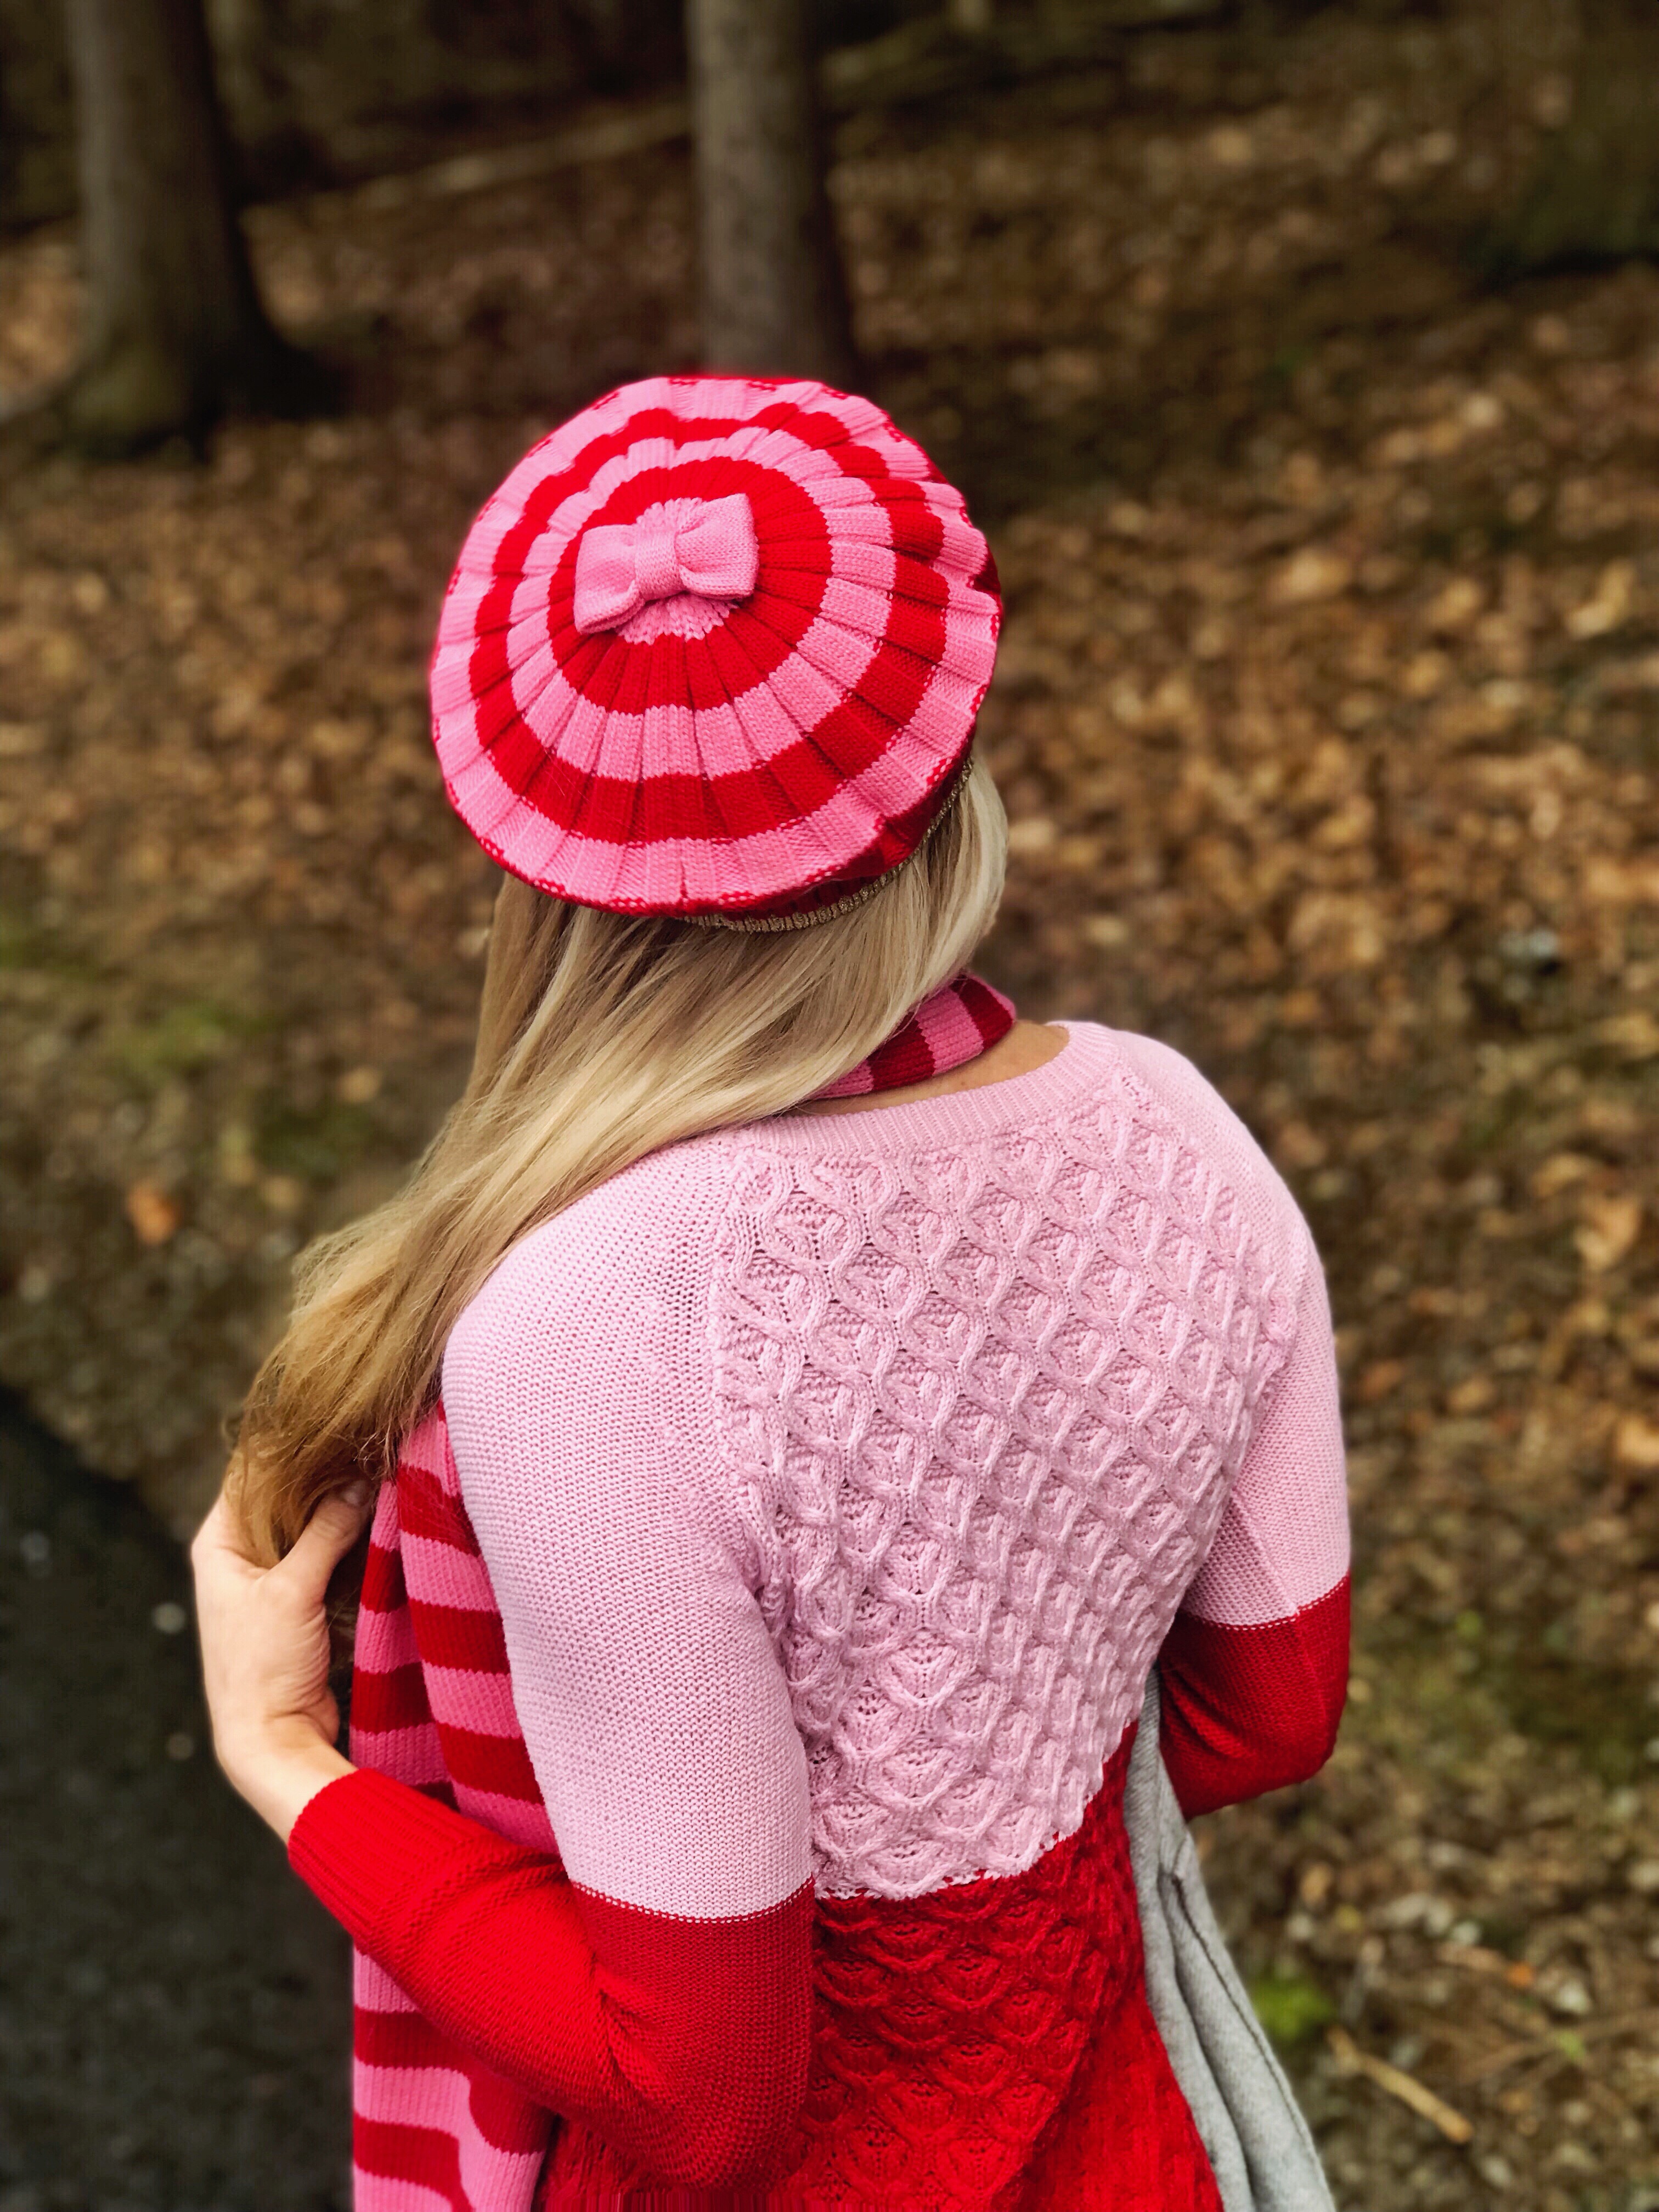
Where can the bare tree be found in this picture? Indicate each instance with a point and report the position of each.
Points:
(774, 298)
(174, 328)
(1595, 194)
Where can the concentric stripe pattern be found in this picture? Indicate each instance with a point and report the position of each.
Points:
(771, 760)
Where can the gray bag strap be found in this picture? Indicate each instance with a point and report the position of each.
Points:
(1246, 2112)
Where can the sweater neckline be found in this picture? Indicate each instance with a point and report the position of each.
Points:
(955, 1116)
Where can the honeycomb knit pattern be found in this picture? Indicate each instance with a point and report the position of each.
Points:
(806, 1510)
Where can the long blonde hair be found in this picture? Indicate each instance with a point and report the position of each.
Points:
(601, 1037)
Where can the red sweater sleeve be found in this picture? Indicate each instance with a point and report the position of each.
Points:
(1249, 1710)
(684, 2042)
(1254, 1673)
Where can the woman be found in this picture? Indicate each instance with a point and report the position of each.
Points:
(816, 1400)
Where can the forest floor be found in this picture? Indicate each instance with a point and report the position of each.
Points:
(1327, 718)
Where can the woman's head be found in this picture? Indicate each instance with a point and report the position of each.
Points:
(602, 1037)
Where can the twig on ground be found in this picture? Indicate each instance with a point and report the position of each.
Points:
(1351, 2059)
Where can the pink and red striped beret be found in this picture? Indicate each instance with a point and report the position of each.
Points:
(716, 648)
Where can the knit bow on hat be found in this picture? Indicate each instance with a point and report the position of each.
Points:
(704, 546)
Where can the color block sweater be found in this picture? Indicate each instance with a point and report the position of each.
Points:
(740, 1815)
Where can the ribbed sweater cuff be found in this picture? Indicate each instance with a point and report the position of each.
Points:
(366, 1844)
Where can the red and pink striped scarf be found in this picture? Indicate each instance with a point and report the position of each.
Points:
(432, 1706)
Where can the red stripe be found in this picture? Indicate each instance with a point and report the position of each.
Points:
(1249, 1709)
(992, 1016)
(426, 1509)
(401, 2038)
(459, 1636)
(394, 1699)
(907, 1057)
(383, 1581)
(396, 2152)
(499, 1764)
(501, 2113)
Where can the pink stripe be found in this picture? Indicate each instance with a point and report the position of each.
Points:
(427, 1445)
(386, 1639)
(947, 1030)
(432, 2096)
(378, 2192)
(373, 1989)
(465, 1698)
(413, 1755)
(515, 1817)
(498, 2180)
(439, 1574)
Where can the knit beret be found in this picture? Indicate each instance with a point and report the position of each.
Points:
(716, 648)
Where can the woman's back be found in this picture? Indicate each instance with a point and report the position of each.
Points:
(753, 1638)
(838, 1480)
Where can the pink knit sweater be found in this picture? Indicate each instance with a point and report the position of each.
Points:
(838, 1480)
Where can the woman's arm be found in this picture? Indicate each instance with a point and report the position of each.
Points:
(682, 2042)
(1254, 1670)
(653, 1981)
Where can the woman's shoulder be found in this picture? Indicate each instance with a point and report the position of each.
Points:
(1190, 1107)
(1177, 1086)
(609, 1269)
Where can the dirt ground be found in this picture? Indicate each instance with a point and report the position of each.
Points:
(1327, 718)
(173, 2016)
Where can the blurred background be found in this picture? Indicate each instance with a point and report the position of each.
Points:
(1301, 363)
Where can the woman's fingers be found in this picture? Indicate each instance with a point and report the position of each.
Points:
(218, 1541)
(323, 1541)
(264, 1636)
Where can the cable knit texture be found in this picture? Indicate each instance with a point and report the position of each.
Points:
(807, 1507)
(983, 1403)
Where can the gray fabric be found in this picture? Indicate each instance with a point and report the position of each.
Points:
(1251, 2124)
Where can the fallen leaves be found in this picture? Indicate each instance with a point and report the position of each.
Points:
(1608, 1231)
(1324, 718)
(1609, 604)
(154, 1212)
(1636, 1444)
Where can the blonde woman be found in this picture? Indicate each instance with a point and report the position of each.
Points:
(801, 1403)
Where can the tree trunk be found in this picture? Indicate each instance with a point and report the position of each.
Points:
(774, 299)
(174, 327)
(1594, 196)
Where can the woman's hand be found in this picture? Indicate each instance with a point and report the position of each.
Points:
(265, 1658)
